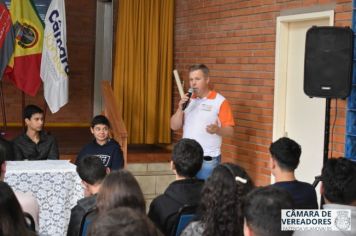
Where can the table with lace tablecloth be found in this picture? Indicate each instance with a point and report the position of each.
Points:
(55, 184)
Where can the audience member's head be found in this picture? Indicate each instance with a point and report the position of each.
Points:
(262, 211)
(222, 198)
(120, 189)
(123, 221)
(187, 158)
(33, 116)
(339, 181)
(286, 153)
(92, 172)
(12, 219)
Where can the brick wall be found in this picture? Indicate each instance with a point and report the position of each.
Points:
(80, 43)
(236, 39)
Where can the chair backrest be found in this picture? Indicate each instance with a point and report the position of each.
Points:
(86, 221)
(185, 215)
(30, 222)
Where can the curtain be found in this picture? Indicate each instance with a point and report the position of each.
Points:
(143, 69)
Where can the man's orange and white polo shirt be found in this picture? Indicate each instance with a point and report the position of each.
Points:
(205, 111)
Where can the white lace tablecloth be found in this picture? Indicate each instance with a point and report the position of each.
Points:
(55, 184)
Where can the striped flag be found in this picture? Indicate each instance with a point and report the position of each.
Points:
(7, 37)
(54, 65)
(26, 60)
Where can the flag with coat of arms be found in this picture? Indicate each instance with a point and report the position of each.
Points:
(54, 65)
(24, 66)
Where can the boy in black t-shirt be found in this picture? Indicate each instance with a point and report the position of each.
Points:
(285, 159)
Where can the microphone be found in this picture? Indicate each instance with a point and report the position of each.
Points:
(190, 92)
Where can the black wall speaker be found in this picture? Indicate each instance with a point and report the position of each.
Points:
(328, 62)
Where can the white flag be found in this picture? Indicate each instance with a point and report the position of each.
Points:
(54, 65)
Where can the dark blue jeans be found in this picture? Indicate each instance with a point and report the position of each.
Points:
(208, 167)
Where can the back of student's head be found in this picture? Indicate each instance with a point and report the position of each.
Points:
(123, 221)
(262, 210)
(187, 157)
(91, 170)
(30, 110)
(222, 198)
(286, 152)
(339, 181)
(100, 120)
(12, 220)
(120, 189)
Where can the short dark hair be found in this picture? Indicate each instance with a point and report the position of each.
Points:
(100, 119)
(30, 110)
(339, 181)
(286, 152)
(91, 169)
(262, 210)
(201, 67)
(124, 221)
(187, 157)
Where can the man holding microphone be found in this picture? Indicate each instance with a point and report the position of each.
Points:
(206, 117)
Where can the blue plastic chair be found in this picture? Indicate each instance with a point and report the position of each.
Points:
(86, 221)
(186, 214)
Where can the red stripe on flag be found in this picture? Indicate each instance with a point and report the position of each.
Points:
(26, 73)
(5, 23)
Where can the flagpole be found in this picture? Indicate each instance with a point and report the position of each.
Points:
(4, 122)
